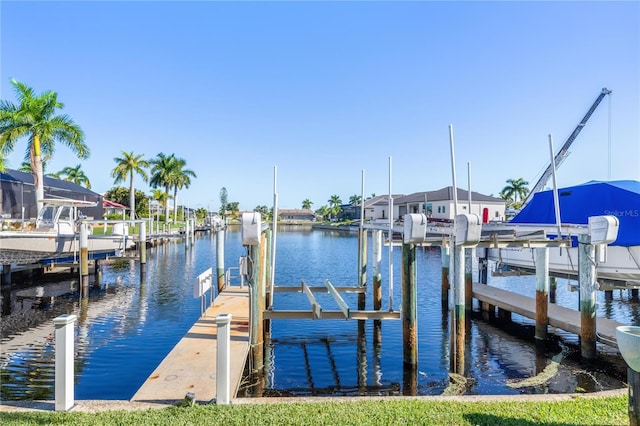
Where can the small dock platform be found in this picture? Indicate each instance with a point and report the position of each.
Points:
(559, 317)
(191, 364)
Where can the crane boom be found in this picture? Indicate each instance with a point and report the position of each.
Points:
(563, 153)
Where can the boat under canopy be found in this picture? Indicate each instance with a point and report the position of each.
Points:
(621, 265)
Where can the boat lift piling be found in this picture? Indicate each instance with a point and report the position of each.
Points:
(587, 279)
(220, 258)
(542, 293)
(377, 275)
(142, 249)
(84, 254)
(444, 258)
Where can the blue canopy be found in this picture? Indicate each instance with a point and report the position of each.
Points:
(596, 198)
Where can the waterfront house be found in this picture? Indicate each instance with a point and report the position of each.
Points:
(376, 209)
(296, 215)
(111, 207)
(439, 205)
(18, 195)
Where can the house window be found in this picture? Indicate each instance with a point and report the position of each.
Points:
(497, 213)
(443, 209)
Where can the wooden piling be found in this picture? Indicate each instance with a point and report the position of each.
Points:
(553, 286)
(468, 278)
(268, 284)
(483, 266)
(444, 258)
(361, 357)
(220, 258)
(142, 248)
(84, 254)
(587, 280)
(633, 378)
(542, 292)
(257, 300)
(409, 305)
(6, 274)
(459, 307)
(186, 234)
(377, 275)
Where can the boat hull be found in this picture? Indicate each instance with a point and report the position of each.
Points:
(30, 247)
(622, 264)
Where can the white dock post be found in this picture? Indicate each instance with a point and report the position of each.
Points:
(64, 386)
(223, 322)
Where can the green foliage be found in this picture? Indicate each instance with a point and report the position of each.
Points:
(265, 212)
(393, 411)
(515, 192)
(224, 198)
(120, 195)
(201, 214)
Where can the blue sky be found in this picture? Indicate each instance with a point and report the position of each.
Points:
(324, 90)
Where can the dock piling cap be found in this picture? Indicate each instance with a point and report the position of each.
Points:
(64, 320)
(223, 319)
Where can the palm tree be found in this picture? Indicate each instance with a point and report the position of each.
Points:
(75, 175)
(516, 190)
(179, 178)
(35, 118)
(355, 200)
(160, 196)
(26, 166)
(306, 204)
(323, 211)
(161, 168)
(128, 165)
(334, 205)
(2, 163)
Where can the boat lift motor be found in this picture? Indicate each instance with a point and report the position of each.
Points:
(603, 230)
(467, 229)
(415, 228)
(251, 228)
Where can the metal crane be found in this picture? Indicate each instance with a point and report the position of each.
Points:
(564, 150)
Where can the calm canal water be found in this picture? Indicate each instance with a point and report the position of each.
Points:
(127, 326)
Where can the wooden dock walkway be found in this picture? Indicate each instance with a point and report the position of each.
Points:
(559, 317)
(191, 364)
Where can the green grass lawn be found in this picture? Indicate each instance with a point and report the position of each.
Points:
(578, 411)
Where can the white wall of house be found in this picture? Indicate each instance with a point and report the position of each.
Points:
(444, 210)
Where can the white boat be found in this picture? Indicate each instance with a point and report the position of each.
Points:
(621, 263)
(55, 234)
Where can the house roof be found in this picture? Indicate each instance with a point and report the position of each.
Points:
(27, 178)
(296, 212)
(107, 204)
(446, 194)
(381, 200)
